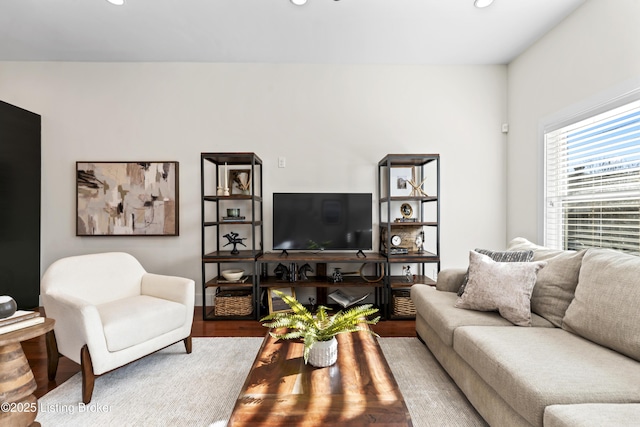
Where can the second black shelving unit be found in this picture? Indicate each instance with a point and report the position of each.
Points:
(231, 239)
(409, 221)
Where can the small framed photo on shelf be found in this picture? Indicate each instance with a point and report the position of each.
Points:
(276, 304)
(400, 177)
(239, 181)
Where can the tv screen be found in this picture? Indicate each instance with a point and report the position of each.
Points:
(322, 221)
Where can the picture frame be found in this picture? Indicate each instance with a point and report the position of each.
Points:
(399, 185)
(276, 304)
(239, 181)
(124, 198)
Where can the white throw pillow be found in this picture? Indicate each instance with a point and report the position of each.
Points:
(502, 286)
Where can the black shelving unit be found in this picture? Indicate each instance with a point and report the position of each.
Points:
(405, 214)
(247, 230)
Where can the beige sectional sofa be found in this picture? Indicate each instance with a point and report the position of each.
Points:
(578, 364)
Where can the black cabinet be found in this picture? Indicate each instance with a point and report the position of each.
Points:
(20, 206)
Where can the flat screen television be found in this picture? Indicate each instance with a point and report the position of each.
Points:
(322, 221)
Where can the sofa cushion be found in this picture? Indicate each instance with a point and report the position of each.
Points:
(605, 307)
(556, 283)
(499, 256)
(592, 415)
(505, 287)
(532, 368)
(131, 321)
(438, 309)
(539, 252)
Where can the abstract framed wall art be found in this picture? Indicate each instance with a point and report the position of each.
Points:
(127, 199)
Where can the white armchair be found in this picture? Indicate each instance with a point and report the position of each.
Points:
(109, 311)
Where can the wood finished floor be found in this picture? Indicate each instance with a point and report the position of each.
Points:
(36, 351)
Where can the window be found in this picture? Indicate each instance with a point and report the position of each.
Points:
(592, 182)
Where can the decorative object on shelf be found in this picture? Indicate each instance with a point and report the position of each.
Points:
(337, 275)
(417, 188)
(398, 251)
(240, 181)
(233, 302)
(313, 329)
(127, 199)
(234, 240)
(232, 275)
(225, 190)
(406, 210)
(396, 240)
(303, 270)
(223, 281)
(400, 177)
(293, 272)
(420, 242)
(276, 304)
(282, 272)
(347, 300)
(8, 306)
(220, 190)
(408, 277)
(233, 212)
(363, 277)
(401, 303)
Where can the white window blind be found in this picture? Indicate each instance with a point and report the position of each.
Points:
(592, 182)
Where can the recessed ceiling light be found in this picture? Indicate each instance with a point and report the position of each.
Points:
(298, 2)
(482, 3)
(116, 2)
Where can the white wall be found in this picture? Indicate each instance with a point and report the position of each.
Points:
(590, 56)
(332, 123)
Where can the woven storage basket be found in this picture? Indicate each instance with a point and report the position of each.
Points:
(233, 303)
(402, 304)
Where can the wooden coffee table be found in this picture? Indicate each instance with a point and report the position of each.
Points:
(358, 390)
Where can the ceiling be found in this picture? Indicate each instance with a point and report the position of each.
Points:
(276, 31)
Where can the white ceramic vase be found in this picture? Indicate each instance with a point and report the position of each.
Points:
(323, 353)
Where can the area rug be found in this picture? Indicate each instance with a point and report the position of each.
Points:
(171, 388)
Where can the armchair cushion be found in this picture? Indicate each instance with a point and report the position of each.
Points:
(131, 321)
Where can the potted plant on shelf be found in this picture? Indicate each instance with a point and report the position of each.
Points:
(318, 330)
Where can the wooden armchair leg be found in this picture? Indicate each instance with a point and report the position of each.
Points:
(188, 344)
(88, 378)
(52, 355)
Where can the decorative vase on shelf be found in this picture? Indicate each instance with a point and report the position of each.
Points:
(323, 353)
(8, 306)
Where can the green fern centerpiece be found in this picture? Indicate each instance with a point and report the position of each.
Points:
(301, 323)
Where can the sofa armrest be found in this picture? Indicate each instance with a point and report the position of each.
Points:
(450, 280)
(77, 323)
(172, 288)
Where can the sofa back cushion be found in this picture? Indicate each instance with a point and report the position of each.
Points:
(605, 307)
(556, 283)
(95, 278)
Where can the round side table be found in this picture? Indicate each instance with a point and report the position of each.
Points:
(19, 407)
